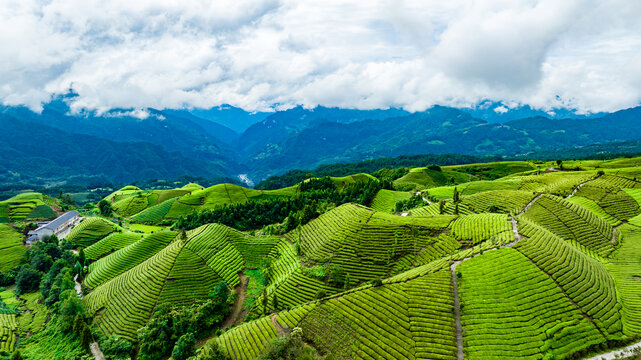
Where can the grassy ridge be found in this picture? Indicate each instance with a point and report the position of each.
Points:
(11, 248)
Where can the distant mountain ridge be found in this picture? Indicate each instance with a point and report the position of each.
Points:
(297, 138)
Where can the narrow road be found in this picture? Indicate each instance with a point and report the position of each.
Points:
(237, 312)
(529, 205)
(457, 312)
(424, 198)
(279, 329)
(93, 347)
(617, 354)
(457, 303)
(78, 286)
(96, 352)
(580, 185)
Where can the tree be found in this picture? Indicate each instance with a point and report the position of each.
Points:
(184, 347)
(220, 292)
(441, 207)
(68, 307)
(456, 209)
(211, 351)
(456, 196)
(105, 208)
(117, 348)
(85, 336)
(28, 280)
(40, 261)
(16, 355)
(82, 259)
(559, 163)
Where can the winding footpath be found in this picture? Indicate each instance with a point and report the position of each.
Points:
(580, 185)
(618, 354)
(93, 347)
(457, 301)
(517, 237)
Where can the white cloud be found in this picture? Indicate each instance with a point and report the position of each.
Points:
(583, 54)
(501, 109)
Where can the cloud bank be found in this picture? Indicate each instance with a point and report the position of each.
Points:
(263, 54)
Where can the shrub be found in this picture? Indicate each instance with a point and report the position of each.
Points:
(184, 347)
(28, 280)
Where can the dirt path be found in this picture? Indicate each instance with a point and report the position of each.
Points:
(617, 354)
(424, 198)
(237, 312)
(78, 286)
(96, 352)
(580, 185)
(457, 312)
(529, 205)
(457, 301)
(93, 347)
(279, 329)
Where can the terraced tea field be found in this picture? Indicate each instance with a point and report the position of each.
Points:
(90, 230)
(563, 282)
(164, 267)
(154, 206)
(27, 205)
(527, 264)
(11, 248)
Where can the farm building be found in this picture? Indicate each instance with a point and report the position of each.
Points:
(59, 227)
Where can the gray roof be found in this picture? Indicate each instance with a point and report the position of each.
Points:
(54, 224)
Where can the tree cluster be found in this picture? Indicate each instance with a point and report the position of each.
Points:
(172, 330)
(313, 198)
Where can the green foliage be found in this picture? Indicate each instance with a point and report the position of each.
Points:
(211, 351)
(168, 326)
(409, 204)
(11, 248)
(117, 348)
(68, 307)
(105, 208)
(28, 280)
(290, 347)
(295, 210)
(184, 347)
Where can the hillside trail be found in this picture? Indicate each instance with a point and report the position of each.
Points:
(94, 347)
(78, 286)
(424, 198)
(96, 352)
(457, 301)
(238, 313)
(618, 354)
(529, 205)
(580, 185)
(279, 329)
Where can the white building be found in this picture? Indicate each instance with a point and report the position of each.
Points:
(61, 226)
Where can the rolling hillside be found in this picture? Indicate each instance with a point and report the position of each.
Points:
(438, 307)
(154, 206)
(29, 205)
(524, 262)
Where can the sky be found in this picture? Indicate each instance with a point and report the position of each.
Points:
(269, 54)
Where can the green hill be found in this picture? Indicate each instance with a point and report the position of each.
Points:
(154, 206)
(28, 205)
(524, 263)
(561, 287)
(11, 248)
(164, 268)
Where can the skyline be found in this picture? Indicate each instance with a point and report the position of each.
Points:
(263, 55)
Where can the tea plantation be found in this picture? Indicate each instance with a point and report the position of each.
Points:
(507, 260)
